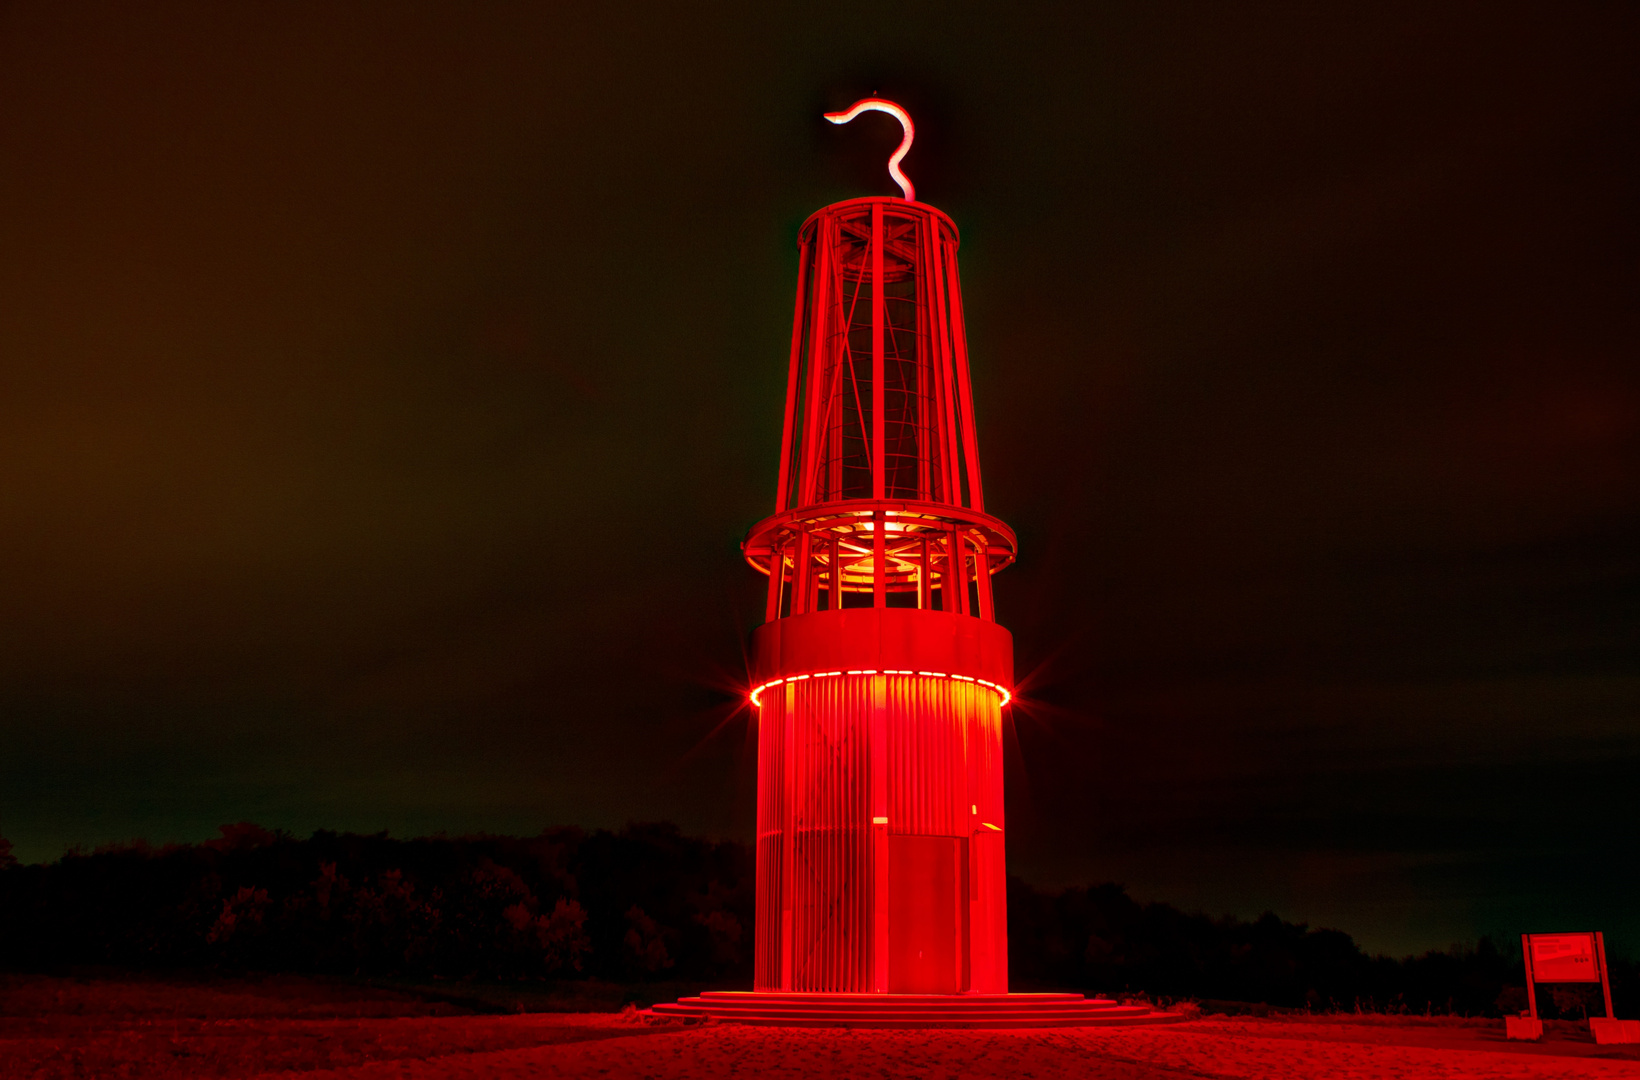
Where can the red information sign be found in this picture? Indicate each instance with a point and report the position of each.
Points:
(1564, 958)
(1568, 959)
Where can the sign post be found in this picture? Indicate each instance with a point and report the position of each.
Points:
(1605, 978)
(1568, 958)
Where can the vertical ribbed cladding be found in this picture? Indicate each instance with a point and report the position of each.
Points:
(944, 755)
(988, 889)
(927, 755)
(771, 816)
(830, 874)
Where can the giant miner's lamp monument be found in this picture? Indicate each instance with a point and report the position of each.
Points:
(880, 673)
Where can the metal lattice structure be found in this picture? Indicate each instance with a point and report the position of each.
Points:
(880, 673)
(879, 305)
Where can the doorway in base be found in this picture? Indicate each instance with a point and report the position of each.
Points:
(927, 914)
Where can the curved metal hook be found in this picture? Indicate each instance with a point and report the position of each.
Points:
(871, 104)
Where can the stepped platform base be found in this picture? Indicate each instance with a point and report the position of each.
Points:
(913, 1010)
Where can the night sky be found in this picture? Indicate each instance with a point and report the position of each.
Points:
(384, 391)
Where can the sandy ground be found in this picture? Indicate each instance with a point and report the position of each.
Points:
(163, 1029)
(293, 1028)
(1270, 1050)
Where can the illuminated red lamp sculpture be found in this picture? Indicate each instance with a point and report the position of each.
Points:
(880, 673)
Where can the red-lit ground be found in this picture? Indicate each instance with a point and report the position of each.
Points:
(68, 1028)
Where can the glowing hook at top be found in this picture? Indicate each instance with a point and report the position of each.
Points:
(871, 104)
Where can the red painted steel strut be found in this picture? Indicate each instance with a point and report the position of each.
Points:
(880, 674)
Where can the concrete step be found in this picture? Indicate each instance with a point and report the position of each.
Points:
(913, 1010)
(931, 1007)
(938, 999)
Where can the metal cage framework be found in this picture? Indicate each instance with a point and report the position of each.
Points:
(880, 671)
(879, 492)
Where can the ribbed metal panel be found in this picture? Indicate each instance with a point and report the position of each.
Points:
(943, 751)
(988, 888)
(771, 813)
(927, 755)
(831, 819)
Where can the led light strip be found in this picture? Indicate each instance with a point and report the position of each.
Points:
(757, 693)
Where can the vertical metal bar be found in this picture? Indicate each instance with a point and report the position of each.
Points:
(836, 602)
(777, 579)
(973, 735)
(879, 559)
(760, 977)
(813, 433)
(959, 569)
(959, 339)
(801, 574)
(924, 341)
(947, 600)
(868, 856)
(1531, 986)
(982, 578)
(826, 707)
(961, 928)
(879, 833)
(1605, 980)
(924, 584)
(879, 403)
(788, 875)
(830, 485)
(826, 569)
(947, 415)
(782, 490)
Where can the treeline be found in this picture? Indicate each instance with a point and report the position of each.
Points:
(1101, 938)
(646, 903)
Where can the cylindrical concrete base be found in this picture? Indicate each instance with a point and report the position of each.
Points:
(880, 850)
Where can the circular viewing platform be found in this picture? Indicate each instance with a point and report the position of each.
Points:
(913, 1010)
